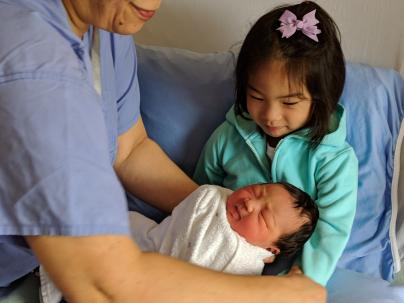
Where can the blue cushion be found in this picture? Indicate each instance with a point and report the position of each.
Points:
(346, 286)
(185, 95)
(374, 102)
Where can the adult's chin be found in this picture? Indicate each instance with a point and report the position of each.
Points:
(123, 29)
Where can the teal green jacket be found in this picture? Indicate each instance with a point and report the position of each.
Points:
(235, 156)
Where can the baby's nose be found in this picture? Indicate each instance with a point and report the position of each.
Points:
(242, 209)
(250, 205)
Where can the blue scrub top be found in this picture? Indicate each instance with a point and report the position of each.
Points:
(58, 137)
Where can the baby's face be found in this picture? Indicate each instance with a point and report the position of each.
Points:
(263, 213)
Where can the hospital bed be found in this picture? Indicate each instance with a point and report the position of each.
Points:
(185, 95)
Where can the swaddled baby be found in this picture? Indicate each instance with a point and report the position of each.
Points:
(234, 232)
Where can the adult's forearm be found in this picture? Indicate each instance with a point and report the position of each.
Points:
(171, 281)
(149, 174)
(111, 269)
(188, 283)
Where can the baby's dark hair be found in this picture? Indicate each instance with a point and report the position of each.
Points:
(290, 244)
(318, 65)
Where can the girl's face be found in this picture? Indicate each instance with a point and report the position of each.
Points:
(276, 105)
(263, 213)
(119, 16)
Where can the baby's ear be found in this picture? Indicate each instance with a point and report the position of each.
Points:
(274, 250)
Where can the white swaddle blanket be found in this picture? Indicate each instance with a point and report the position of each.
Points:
(198, 232)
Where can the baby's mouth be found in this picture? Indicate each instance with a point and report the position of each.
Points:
(233, 213)
(239, 211)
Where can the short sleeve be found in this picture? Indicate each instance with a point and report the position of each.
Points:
(55, 171)
(126, 82)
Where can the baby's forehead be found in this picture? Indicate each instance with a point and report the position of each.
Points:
(277, 191)
(270, 188)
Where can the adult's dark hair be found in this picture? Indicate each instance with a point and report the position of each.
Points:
(318, 65)
(290, 244)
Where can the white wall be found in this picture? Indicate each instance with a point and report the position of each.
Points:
(372, 30)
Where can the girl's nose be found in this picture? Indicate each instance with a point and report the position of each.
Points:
(272, 114)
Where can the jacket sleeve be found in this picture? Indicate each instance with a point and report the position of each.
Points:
(209, 169)
(337, 183)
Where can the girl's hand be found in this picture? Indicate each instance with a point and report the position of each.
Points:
(295, 270)
(269, 259)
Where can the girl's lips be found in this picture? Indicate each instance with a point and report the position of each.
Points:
(144, 14)
(272, 129)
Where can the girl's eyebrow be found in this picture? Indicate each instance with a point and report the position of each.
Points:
(298, 95)
(253, 88)
(291, 95)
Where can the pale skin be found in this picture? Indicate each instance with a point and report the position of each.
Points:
(111, 268)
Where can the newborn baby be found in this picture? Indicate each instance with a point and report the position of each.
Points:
(234, 232)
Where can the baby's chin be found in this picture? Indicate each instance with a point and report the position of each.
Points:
(232, 221)
(230, 218)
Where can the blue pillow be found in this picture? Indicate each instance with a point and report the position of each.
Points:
(374, 102)
(185, 95)
(347, 286)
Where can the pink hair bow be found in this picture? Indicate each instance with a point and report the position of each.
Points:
(290, 24)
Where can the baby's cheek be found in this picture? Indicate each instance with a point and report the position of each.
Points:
(249, 231)
(238, 227)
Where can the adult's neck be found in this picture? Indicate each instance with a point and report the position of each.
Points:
(78, 26)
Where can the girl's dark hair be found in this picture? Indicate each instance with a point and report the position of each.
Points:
(290, 244)
(318, 65)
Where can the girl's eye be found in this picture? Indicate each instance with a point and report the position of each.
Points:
(290, 102)
(256, 98)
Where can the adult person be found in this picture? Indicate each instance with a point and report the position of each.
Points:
(69, 114)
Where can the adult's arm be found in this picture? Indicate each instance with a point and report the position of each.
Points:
(147, 172)
(112, 269)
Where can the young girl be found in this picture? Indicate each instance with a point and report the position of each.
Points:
(286, 125)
